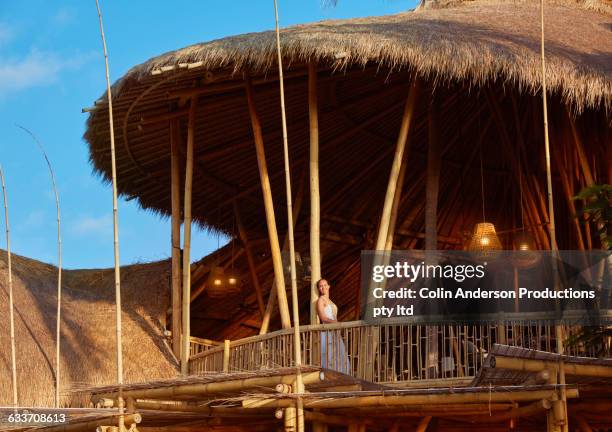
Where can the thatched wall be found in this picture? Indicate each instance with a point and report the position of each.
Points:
(88, 328)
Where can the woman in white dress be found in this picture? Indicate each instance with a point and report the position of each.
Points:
(333, 351)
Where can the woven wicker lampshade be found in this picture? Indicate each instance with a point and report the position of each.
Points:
(484, 238)
(525, 255)
(233, 284)
(216, 282)
(220, 284)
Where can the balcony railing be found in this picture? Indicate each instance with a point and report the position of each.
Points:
(199, 345)
(390, 353)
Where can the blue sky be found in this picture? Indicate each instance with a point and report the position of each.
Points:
(51, 66)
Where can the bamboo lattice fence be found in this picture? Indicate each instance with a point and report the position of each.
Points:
(391, 353)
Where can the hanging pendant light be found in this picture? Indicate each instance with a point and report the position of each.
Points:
(216, 282)
(484, 239)
(524, 242)
(233, 282)
(220, 284)
(525, 254)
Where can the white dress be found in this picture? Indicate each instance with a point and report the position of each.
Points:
(333, 351)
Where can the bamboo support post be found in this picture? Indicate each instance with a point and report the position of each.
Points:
(186, 332)
(175, 191)
(549, 189)
(250, 260)
(118, 330)
(397, 161)
(315, 199)
(432, 188)
(396, 205)
(277, 263)
(10, 288)
(226, 355)
(265, 322)
(299, 386)
(433, 176)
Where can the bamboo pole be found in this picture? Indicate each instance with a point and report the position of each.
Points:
(59, 267)
(10, 286)
(279, 278)
(115, 227)
(569, 199)
(396, 205)
(433, 176)
(397, 161)
(582, 158)
(226, 355)
(410, 399)
(532, 365)
(265, 322)
(233, 385)
(315, 199)
(187, 240)
(294, 292)
(250, 260)
(551, 209)
(432, 188)
(175, 191)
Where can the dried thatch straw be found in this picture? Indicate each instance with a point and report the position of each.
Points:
(88, 348)
(474, 40)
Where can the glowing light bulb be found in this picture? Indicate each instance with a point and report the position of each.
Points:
(232, 281)
(485, 241)
(217, 282)
(523, 247)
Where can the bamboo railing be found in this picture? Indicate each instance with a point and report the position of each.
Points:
(389, 353)
(199, 345)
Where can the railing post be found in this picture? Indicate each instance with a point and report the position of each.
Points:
(226, 355)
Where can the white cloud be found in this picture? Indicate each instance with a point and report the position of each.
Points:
(38, 68)
(98, 225)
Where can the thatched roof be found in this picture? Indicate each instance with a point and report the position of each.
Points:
(480, 58)
(475, 40)
(475, 43)
(88, 329)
